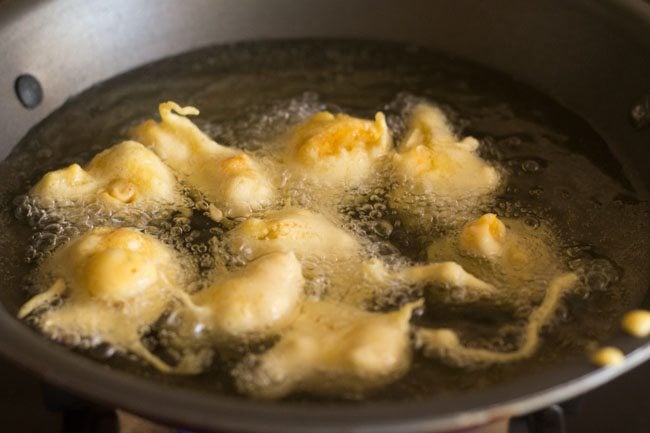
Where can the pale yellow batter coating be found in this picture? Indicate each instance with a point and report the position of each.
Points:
(127, 174)
(483, 237)
(231, 179)
(607, 357)
(332, 348)
(115, 283)
(444, 344)
(434, 169)
(518, 254)
(637, 323)
(336, 150)
(258, 300)
(306, 233)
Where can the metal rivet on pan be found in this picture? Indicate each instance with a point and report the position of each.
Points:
(29, 91)
(640, 112)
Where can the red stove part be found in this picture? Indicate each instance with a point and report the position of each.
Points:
(550, 420)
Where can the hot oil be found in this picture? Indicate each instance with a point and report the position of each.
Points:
(560, 180)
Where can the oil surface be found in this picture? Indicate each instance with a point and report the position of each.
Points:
(560, 178)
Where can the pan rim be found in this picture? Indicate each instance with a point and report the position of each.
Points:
(92, 380)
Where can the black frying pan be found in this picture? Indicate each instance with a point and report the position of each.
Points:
(594, 58)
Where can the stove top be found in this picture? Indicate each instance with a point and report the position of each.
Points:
(621, 406)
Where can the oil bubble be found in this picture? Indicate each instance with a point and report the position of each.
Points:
(530, 166)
